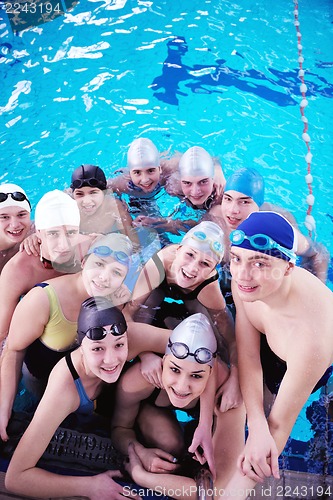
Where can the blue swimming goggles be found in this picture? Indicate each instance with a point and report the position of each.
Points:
(105, 251)
(214, 245)
(260, 242)
(181, 351)
(99, 332)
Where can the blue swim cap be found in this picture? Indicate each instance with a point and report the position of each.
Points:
(249, 182)
(266, 232)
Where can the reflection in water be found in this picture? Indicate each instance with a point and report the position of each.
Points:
(211, 79)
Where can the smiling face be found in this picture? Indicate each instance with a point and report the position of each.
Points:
(58, 243)
(105, 358)
(183, 380)
(196, 188)
(88, 199)
(146, 178)
(257, 275)
(236, 207)
(14, 226)
(103, 275)
(191, 267)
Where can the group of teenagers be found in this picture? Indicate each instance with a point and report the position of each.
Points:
(219, 309)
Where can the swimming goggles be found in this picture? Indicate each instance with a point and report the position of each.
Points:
(260, 242)
(214, 245)
(16, 196)
(181, 351)
(99, 332)
(92, 182)
(105, 251)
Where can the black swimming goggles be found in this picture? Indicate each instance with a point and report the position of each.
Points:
(181, 351)
(16, 196)
(99, 332)
(92, 182)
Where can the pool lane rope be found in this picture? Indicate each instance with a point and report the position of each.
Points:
(309, 222)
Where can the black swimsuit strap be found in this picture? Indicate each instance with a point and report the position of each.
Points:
(70, 365)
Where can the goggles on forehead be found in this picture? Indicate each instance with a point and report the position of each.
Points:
(214, 245)
(92, 182)
(260, 242)
(16, 196)
(182, 351)
(99, 332)
(105, 251)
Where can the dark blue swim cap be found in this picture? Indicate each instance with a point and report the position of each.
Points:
(249, 182)
(88, 176)
(266, 232)
(98, 312)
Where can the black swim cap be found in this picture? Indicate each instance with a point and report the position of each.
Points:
(98, 312)
(88, 175)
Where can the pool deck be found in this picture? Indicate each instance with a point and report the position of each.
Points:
(291, 485)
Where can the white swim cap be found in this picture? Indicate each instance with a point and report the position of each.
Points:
(142, 153)
(114, 245)
(207, 237)
(194, 340)
(16, 197)
(56, 208)
(196, 162)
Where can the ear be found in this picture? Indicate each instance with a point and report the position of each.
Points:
(289, 269)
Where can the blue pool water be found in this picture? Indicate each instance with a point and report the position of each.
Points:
(78, 89)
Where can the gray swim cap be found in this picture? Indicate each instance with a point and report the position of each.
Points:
(207, 237)
(196, 162)
(114, 245)
(194, 340)
(56, 208)
(142, 153)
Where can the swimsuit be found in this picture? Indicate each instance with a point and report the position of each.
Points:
(174, 301)
(86, 405)
(274, 368)
(58, 338)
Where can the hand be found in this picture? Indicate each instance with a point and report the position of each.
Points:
(104, 487)
(260, 457)
(3, 427)
(154, 460)
(143, 220)
(219, 180)
(151, 368)
(203, 439)
(31, 245)
(121, 296)
(229, 394)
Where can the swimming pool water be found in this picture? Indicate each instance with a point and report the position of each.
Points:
(78, 89)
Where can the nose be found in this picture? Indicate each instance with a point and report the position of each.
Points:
(242, 272)
(234, 208)
(15, 222)
(182, 385)
(195, 190)
(109, 357)
(145, 176)
(63, 243)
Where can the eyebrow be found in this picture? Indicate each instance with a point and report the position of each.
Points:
(257, 256)
(179, 368)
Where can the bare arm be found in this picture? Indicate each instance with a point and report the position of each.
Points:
(315, 256)
(33, 313)
(24, 478)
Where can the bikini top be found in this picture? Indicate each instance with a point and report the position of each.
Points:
(86, 405)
